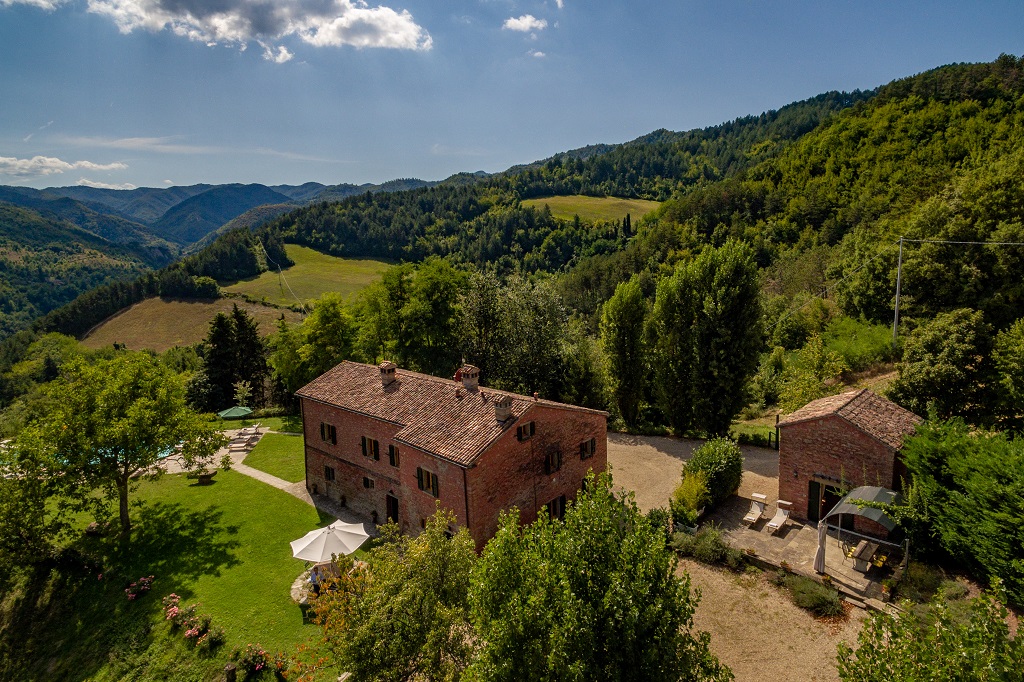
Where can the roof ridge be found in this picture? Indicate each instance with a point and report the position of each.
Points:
(401, 371)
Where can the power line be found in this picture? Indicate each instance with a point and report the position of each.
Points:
(280, 273)
(949, 241)
(834, 285)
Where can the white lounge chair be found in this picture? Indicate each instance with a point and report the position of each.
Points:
(756, 509)
(781, 517)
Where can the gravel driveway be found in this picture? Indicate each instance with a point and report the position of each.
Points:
(651, 466)
(755, 628)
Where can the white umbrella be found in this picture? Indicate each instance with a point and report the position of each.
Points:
(819, 555)
(323, 543)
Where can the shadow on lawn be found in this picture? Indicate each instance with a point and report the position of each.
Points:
(175, 543)
(68, 618)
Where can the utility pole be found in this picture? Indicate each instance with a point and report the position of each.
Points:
(899, 281)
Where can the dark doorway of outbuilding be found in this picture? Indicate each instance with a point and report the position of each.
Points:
(392, 505)
(821, 499)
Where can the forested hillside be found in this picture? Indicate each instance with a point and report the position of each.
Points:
(46, 262)
(818, 193)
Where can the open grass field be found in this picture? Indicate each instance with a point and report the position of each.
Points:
(279, 455)
(594, 208)
(214, 545)
(158, 324)
(313, 274)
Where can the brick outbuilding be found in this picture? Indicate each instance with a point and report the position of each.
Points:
(837, 443)
(390, 443)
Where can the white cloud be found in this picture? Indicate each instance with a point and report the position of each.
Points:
(320, 23)
(105, 185)
(560, 3)
(525, 23)
(168, 182)
(536, 53)
(164, 145)
(48, 5)
(48, 165)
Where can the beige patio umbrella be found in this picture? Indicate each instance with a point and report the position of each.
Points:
(819, 555)
(323, 543)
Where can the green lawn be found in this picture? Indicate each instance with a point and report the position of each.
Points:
(215, 545)
(279, 455)
(594, 208)
(313, 274)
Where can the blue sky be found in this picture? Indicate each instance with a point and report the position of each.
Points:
(159, 92)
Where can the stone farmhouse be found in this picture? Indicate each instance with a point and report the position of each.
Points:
(390, 444)
(839, 442)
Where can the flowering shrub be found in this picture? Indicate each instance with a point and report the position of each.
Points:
(198, 629)
(140, 586)
(280, 664)
(253, 660)
(211, 639)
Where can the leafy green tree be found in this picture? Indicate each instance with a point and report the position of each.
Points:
(814, 373)
(109, 419)
(593, 597)
(971, 489)
(31, 515)
(707, 330)
(405, 615)
(328, 335)
(972, 643)
(622, 333)
(1008, 355)
(377, 312)
(946, 368)
(430, 338)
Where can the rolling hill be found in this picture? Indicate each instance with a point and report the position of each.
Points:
(197, 216)
(46, 262)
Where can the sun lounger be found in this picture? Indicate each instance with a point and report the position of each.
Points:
(756, 509)
(781, 517)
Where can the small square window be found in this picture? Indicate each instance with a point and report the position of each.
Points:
(328, 473)
(368, 482)
(588, 448)
(526, 431)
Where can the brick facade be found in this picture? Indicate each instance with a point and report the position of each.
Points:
(833, 452)
(507, 471)
(511, 473)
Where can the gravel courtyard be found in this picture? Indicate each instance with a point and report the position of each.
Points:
(755, 628)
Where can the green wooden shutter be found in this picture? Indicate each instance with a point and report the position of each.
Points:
(362, 444)
(433, 485)
(419, 477)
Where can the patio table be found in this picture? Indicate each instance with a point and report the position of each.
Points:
(863, 555)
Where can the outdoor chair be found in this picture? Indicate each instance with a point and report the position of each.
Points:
(781, 517)
(756, 509)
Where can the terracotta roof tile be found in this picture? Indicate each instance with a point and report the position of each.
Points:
(868, 411)
(437, 415)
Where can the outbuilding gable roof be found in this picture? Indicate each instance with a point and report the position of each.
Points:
(868, 411)
(436, 415)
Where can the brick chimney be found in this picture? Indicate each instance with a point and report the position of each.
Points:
(502, 407)
(470, 377)
(387, 372)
